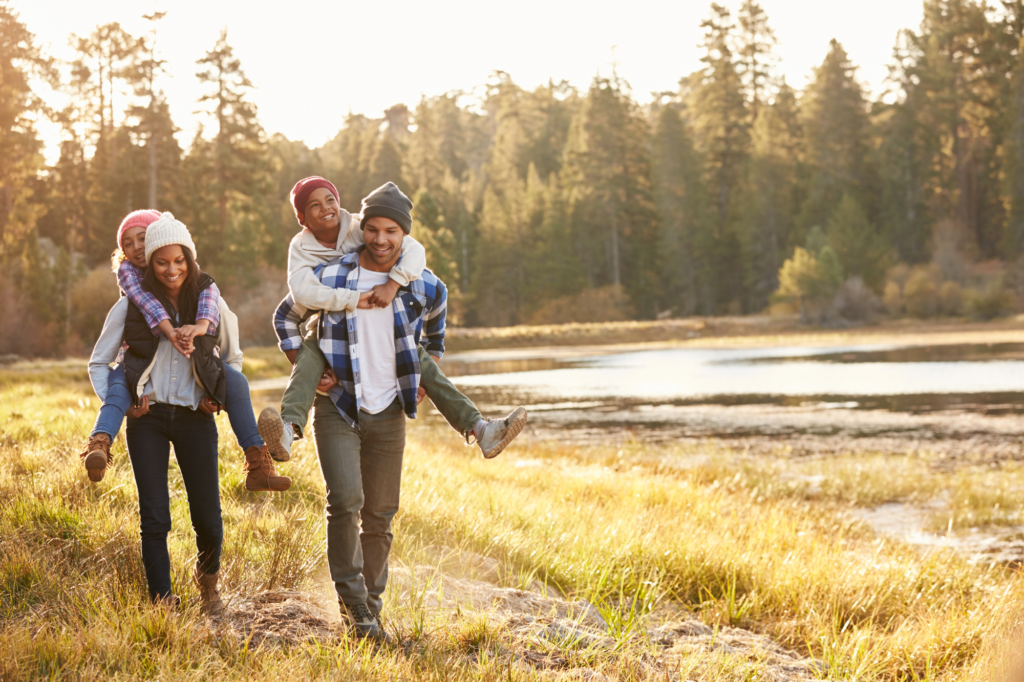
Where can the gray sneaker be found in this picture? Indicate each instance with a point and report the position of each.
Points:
(276, 434)
(498, 433)
(361, 623)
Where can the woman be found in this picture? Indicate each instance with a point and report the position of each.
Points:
(175, 397)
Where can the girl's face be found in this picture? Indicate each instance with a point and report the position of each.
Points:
(133, 243)
(170, 267)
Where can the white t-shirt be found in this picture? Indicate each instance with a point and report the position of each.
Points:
(378, 374)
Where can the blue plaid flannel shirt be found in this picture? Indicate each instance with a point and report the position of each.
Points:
(419, 310)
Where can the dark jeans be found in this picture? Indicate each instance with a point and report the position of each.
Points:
(363, 472)
(194, 435)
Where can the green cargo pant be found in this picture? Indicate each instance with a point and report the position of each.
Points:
(458, 410)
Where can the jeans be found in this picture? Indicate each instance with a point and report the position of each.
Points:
(362, 469)
(238, 406)
(194, 435)
(458, 410)
(117, 402)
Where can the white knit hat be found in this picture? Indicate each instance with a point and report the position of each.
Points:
(165, 231)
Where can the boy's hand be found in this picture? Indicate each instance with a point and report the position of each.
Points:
(383, 294)
(327, 381)
(142, 409)
(364, 300)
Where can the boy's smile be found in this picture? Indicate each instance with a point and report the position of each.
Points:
(322, 215)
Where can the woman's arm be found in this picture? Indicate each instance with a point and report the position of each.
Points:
(227, 336)
(107, 346)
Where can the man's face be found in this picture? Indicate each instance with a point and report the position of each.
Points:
(383, 239)
(321, 214)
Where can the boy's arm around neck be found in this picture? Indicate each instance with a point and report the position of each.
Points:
(307, 289)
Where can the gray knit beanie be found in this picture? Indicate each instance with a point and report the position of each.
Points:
(389, 202)
(166, 230)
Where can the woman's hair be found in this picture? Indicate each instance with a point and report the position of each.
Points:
(189, 288)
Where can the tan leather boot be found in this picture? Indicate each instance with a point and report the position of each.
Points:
(97, 456)
(209, 594)
(262, 476)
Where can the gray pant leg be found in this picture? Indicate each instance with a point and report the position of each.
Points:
(362, 471)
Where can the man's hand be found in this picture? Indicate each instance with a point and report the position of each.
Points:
(142, 409)
(207, 405)
(383, 294)
(364, 300)
(327, 381)
(291, 355)
(421, 393)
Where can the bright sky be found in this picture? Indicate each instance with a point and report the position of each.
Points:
(313, 62)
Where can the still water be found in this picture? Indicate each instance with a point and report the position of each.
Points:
(901, 378)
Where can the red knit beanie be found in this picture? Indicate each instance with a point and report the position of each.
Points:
(142, 218)
(304, 187)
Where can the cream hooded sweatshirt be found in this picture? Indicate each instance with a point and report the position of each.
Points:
(305, 253)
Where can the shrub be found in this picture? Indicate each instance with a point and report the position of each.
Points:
(951, 299)
(607, 304)
(921, 295)
(855, 301)
(994, 300)
(892, 298)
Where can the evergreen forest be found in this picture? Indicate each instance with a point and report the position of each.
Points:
(732, 194)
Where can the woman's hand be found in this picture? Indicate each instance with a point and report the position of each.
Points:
(142, 409)
(183, 344)
(327, 381)
(207, 405)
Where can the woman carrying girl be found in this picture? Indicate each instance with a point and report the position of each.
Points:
(129, 262)
(179, 394)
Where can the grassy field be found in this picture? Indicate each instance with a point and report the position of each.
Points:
(694, 564)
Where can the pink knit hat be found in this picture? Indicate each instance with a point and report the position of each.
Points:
(304, 187)
(141, 218)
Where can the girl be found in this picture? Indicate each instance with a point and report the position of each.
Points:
(129, 262)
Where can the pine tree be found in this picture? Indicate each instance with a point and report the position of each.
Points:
(240, 184)
(20, 60)
(836, 137)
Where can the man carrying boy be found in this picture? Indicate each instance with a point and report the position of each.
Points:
(330, 232)
(359, 427)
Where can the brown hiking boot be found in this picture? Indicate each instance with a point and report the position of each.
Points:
(97, 456)
(209, 594)
(262, 476)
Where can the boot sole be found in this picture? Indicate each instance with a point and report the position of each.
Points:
(263, 489)
(96, 465)
(271, 428)
(513, 429)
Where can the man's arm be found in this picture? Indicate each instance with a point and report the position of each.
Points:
(287, 318)
(434, 323)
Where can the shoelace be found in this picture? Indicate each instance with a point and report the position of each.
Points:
(361, 613)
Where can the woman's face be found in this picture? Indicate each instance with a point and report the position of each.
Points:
(133, 243)
(169, 265)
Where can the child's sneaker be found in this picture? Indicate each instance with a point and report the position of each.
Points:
(276, 434)
(496, 434)
(97, 456)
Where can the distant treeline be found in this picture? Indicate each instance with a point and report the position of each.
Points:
(558, 204)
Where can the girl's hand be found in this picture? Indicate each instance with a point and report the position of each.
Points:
(142, 409)
(182, 343)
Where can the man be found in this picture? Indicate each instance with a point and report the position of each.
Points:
(359, 427)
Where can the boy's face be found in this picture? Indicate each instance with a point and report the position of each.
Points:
(133, 243)
(383, 239)
(321, 214)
